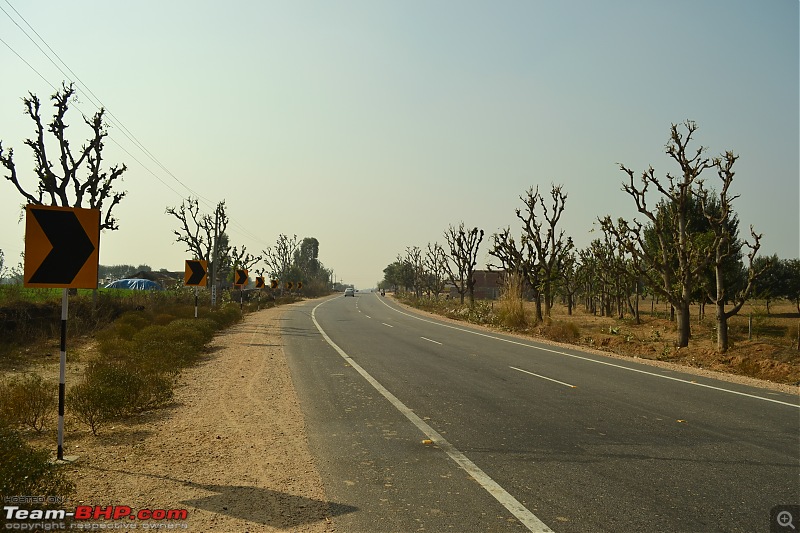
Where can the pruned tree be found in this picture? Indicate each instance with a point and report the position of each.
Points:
(197, 230)
(78, 178)
(550, 245)
(677, 278)
(279, 258)
(243, 259)
(519, 260)
(463, 258)
(569, 269)
(542, 248)
(204, 235)
(726, 245)
(434, 263)
(415, 261)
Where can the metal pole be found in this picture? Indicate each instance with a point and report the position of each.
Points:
(62, 381)
(195, 301)
(214, 259)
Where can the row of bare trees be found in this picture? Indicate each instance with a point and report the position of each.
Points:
(69, 177)
(685, 248)
(289, 259)
(428, 271)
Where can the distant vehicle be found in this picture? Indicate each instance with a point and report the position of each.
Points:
(349, 292)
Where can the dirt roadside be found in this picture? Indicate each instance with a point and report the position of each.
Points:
(232, 450)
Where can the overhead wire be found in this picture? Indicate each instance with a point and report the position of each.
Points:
(115, 121)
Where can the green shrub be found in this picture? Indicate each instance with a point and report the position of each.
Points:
(112, 389)
(167, 349)
(226, 316)
(27, 471)
(28, 401)
(88, 406)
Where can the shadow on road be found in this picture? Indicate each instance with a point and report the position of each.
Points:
(255, 504)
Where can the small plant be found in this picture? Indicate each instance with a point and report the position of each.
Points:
(27, 401)
(112, 390)
(25, 470)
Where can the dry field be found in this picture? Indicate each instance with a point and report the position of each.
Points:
(770, 354)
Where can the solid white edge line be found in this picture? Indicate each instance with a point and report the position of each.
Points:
(545, 377)
(589, 359)
(527, 518)
(430, 340)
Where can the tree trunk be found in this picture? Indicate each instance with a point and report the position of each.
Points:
(722, 327)
(538, 307)
(684, 324)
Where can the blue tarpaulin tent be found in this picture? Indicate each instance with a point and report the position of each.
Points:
(135, 284)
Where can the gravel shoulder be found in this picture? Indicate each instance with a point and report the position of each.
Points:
(232, 450)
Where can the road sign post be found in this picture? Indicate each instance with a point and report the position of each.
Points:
(240, 280)
(61, 251)
(259, 286)
(196, 274)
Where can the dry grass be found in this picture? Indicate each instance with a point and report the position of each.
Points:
(771, 352)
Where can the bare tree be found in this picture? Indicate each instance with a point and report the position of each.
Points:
(414, 259)
(435, 270)
(204, 235)
(726, 245)
(242, 259)
(677, 278)
(463, 258)
(551, 246)
(197, 230)
(521, 260)
(78, 179)
(279, 258)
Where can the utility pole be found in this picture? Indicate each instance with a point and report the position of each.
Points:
(214, 267)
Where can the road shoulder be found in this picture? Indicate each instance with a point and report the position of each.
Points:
(232, 450)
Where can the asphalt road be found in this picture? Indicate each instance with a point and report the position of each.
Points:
(420, 425)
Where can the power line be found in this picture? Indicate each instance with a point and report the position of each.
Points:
(97, 103)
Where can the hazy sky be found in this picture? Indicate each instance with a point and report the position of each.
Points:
(373, 125)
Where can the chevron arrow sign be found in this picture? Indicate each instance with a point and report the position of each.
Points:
(61, 247)
(196, 273)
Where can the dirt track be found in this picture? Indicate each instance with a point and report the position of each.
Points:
(232, 451)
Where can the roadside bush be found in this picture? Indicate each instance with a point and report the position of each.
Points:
(226, 316)
(178, 344)
(27, 471)
(88, 406)
(559, 331)
(28, 401)
(112, 390)
(162, 319)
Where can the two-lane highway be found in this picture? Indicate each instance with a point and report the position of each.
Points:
(527, 436)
